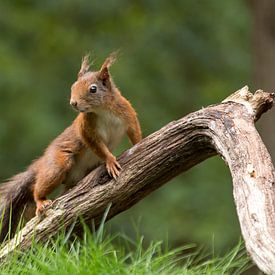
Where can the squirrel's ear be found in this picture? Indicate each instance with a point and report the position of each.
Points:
(104, 73)
(104, 70)
(85, 65)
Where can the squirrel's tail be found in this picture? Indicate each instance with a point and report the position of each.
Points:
(14, 196)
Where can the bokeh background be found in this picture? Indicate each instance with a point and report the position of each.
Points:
(176, 56)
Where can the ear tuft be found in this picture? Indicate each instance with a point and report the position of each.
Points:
(110, 60)
(85, 65)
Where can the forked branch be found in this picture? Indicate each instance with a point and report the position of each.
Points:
(226, 129)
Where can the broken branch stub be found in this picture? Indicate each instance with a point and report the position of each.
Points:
(257, 103)
(227, 129)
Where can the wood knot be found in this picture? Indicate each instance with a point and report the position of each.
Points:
(251, 171)
(254, 217)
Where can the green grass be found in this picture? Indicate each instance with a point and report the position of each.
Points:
(99, 254)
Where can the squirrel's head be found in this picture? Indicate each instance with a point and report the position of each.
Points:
(93, 90)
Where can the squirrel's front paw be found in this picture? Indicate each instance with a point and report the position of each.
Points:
(113, 167)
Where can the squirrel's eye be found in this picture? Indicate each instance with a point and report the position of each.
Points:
(93, 88)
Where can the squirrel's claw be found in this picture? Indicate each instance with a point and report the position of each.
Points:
(40, 207)
(113, 167)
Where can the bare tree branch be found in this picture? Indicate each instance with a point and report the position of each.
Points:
(226, 129)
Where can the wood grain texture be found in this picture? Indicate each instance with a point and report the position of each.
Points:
(226, 129)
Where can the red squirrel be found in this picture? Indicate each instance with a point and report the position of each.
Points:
(104, 117)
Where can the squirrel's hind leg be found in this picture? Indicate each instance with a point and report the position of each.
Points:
(48, 178)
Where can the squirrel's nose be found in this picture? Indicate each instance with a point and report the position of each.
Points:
(73, 103)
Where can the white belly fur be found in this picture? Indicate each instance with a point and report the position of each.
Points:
(111, 129)
(82, 165)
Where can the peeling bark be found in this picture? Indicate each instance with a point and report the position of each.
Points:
(226, 129)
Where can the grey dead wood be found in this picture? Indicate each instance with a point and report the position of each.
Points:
(226, 129)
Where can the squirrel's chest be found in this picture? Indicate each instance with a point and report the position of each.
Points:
(111, 129)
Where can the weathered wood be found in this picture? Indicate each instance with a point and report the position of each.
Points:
(227, 129)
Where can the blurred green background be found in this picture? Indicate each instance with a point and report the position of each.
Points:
(176, 56)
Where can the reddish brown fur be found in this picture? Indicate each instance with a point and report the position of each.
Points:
(69, 148)
(105, 115)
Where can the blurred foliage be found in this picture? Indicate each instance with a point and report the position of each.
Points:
(176, 56)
